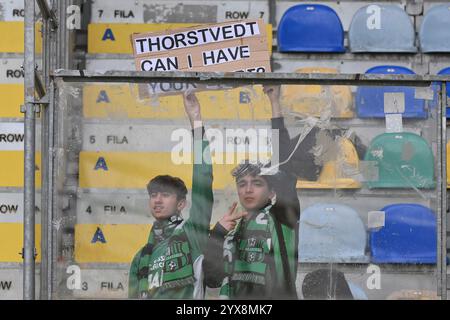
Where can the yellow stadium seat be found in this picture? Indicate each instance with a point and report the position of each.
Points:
(11, 242)
(12, 96)
(12, 164)
(119, 101)
(336, 174)
(315, 100)
(417, 294)
(109, 243)
(133, 170)
(115, 37)
(13, 37)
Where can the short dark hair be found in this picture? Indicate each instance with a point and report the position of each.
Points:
(252, 169)
(166, 183)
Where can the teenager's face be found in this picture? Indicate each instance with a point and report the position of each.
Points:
(253, 192)
(165, 204)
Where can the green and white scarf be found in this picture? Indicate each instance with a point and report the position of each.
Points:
(246, 253)
(177, 269)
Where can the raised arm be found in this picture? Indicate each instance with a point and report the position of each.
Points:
(284, 142)
(287, 208)
(197, 226)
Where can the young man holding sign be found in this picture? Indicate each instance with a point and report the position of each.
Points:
(256, 258)
(169, 266)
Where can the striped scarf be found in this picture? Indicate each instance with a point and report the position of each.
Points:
(175, 266)
(248, 263)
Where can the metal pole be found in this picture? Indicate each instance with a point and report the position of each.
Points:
(273, 13)
(245, 78)
(443, 230)
(47, 13)
(62, 56)
(29, 170)
(50, 190)
(44, 167)
(49, 62)
(439, 224)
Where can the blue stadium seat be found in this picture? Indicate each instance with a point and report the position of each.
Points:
(381, 28)
(402, 160)
(310, 28)
(434, 32)
(331, 233)
(357, 292)
(370, 100)
(408, 236)
(434, 103)
(446, 72)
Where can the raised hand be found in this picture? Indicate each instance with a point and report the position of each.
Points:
(229, 220)
(192, 108)
(273, 93)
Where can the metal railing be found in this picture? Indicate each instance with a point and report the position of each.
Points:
(53, 56)
(38, 82)
(78, 76)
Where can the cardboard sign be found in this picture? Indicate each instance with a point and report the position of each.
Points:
(236, 46)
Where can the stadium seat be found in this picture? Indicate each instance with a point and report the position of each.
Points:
(370, 100)
(310, 28)
(132, 170)
(109, 243)
(436, 88)
(11, 242)
(381, 28)
(326, 284)
(416, 294)
(403, 160)
(408, 235)
(434, 32)
(12, 98)
(118, 101)
(331, 233)
(115, 37)
(340, 166)
(12, 164)
(318, 100)
(357, 292)
(13, 37)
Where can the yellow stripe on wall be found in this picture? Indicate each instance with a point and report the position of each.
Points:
(120, 101)
(108, 243)
(133, 170)
(12, 166)
(13, 37)
(12, 97)
(11, 242)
